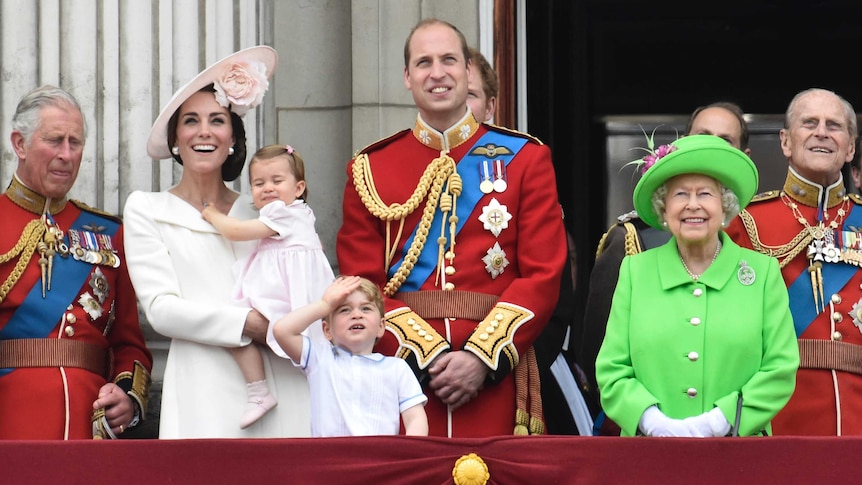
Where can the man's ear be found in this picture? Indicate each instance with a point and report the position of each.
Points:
(19, 144)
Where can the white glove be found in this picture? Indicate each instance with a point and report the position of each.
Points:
(711, 424)
(653, 422)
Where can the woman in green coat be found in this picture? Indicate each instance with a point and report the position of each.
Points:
(700, 339)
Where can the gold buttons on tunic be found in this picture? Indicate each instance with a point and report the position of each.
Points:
(449, 286)
(837, 317)
(836, 299)
(71, 318)
(837, 336)
(70, 332)
(499, 317)
(694, 321)
(692, 392)
(693, 356)
(450, 270)
(697, 292)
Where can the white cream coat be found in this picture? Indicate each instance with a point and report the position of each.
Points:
(181, 269)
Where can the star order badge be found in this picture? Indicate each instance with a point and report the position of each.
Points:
(856, 315)
(495, 261)
(495, 217)
(90, 305)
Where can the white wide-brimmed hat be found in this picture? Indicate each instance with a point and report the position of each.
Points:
(240, 80)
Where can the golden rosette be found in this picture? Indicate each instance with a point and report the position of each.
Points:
(470, 470)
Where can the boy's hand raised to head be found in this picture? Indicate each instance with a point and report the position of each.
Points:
(339, 290)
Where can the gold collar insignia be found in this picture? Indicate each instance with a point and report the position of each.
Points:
(30, 200)
(457, 134)
(808, 193)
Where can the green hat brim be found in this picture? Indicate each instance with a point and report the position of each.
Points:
(697, 154)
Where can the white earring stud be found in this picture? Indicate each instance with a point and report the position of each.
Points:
(230, 151)
(175, 150)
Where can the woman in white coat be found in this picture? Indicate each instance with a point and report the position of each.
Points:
(181, 266)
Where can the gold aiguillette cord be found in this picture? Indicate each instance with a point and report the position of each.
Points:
(816, 272)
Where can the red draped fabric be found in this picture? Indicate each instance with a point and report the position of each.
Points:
(408, 460)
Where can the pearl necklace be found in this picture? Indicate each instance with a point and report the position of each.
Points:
(696, 277)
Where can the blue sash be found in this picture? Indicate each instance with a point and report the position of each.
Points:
(36, 316)
(835, 277)
(469, 168)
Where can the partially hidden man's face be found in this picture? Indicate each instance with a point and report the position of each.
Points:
(49, 162)
(718, 122)
(438, 75)
(480, 104)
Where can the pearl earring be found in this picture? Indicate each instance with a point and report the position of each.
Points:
(664, 223)
(175, 150)
(230, 151)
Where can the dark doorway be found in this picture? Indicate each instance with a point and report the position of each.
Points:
(589, 59)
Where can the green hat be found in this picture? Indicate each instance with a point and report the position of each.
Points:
(697, 154)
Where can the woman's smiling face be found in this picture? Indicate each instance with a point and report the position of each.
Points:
(693, 210)
(204, 133)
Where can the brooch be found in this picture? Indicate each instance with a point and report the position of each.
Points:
(746, 274)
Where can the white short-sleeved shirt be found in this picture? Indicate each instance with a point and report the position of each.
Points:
(357, 395)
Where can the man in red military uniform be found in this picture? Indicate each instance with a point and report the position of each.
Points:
(813, 228)
(73, 362)
(459, 223)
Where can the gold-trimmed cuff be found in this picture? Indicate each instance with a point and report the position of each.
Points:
(416, 335)
(140, 385)
(495, 334)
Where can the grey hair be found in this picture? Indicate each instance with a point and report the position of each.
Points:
(26, 119)
(849, 112)
(729, 203)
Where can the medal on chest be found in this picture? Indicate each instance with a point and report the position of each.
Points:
(822, 247)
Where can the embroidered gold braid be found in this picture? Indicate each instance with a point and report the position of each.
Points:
(430, 184)
(632, 245)
(25, 247)
(784, 253)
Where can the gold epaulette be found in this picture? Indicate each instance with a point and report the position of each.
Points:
(382, 142)
(855, 198)
(521, 134)
(768, 195)
(632, 244)
(493, 337)
(415, 336)
(87, 208)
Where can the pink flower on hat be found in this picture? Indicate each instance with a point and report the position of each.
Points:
(649, 160)
(241, 87)
(653, 154)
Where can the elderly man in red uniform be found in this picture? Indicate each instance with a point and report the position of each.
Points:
(73, 362)
(459, 223)
(813, 227)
